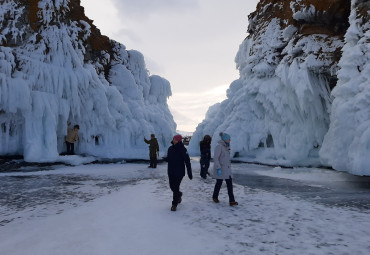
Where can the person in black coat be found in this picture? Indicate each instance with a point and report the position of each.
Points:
(205, 155)
(177, 158)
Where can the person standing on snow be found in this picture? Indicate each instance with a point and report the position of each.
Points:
(178, 158)
(71, 138)
(153, 150)
(222, 169)
(205, 155)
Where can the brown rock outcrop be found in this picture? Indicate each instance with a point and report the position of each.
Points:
(309, 18)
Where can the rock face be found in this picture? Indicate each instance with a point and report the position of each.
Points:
(277, 112)
(55, 67)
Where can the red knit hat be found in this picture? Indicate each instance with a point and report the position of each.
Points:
(178, 138)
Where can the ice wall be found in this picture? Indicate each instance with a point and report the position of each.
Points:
(347, 144)
(277, 112)
(56, 67)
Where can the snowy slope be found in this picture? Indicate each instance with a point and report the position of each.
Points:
(55, 67)
(347, 145)
(277, 112)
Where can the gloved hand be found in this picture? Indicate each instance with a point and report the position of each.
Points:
(219, 172)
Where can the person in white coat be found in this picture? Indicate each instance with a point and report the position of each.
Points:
(222, 168)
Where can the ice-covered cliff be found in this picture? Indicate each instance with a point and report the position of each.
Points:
(55, 67)
(277, 112)
(346, 146)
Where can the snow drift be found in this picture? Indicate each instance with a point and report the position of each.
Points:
(55, 67)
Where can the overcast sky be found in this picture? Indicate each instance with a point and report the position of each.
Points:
(191, 43)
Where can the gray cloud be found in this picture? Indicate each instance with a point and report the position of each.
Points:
(130, 34)
(144, 8)
(191, 43)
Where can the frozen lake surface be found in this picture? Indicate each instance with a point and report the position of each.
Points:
(324, 186)
(124, 208)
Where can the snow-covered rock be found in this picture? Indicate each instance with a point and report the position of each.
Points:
(277, 112)
(55, 67)
(347, 144)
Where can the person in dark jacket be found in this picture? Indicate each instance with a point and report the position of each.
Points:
(178, 158)
(205, 155)
(153, 150)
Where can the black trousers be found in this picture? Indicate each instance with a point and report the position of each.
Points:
(175, 187)
(153, 161)
(70, 148)
(204, 165)
(229, 183)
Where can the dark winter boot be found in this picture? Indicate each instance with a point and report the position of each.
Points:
(233, 203)
(216, 200)
(173, 208)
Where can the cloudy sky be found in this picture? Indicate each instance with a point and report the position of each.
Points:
(191, 43)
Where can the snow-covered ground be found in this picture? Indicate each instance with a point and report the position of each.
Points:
(132, 216)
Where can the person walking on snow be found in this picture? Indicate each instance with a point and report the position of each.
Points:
(222, 169)
(205, 155)
(153, 150)
(178, 158)
(71, 138)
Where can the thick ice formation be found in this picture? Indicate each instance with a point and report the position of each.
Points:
(278, 110)
(347, 144)
(56, 67)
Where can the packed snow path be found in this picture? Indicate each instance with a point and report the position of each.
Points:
(125, 209)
